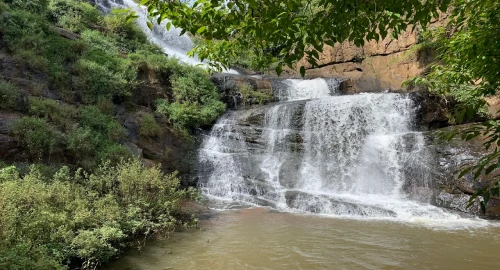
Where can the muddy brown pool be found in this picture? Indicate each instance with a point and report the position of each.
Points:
(259, 238)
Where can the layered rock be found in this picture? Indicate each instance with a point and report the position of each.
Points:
(376, 66)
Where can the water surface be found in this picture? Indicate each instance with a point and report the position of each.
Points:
(263, 239)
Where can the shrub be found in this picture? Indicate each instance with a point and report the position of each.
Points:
(73, 15)
(35, 6)
(9, 96)
(82, 222)
(98, 40)
(23, 30)
(30, 39)
(105, 105)
(103, 75)
(92, 117)
(148, 126)
(247, 93)
(126, 32)
(83, 143)
(38, 136)
(60, 114)
(195, 99)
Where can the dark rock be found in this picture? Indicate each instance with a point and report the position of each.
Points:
(447, 159)
(8, 147)
(432, 111)
(65, 33)
(229, 87)
(6, 119)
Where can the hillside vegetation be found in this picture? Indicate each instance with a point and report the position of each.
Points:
(74, 194)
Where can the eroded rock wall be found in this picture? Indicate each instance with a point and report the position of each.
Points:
(376, 66)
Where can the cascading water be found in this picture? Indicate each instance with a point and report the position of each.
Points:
(350, 156)
(172, 43)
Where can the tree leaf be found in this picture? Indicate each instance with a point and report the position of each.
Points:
(279, 69)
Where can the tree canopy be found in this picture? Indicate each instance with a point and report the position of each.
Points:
(283, 32)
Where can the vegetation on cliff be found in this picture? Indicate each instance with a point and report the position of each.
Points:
(72, 195)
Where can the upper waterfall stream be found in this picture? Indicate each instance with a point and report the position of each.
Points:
(171, 41)
(354, 156)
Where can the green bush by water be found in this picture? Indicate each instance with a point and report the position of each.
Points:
(70, 219)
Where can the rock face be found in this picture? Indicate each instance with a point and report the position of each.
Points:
(448, 158)
(9, 148)
(232, 89)
(169, 148)
(377, 65)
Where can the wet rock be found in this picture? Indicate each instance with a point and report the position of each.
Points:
(329, 205)
(432, 110)
(447, 160)
(230, 86)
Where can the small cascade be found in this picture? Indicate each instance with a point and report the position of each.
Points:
(316, 151)
(296, 89)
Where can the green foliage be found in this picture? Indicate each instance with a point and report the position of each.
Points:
(73, 15)
(92, 117)
(29, 37)
(35, 6)
(61, 115)
(148, 126)
(469, 70)
(38, 136)
(83, 220)
(195, 99)
(9, 96)
(126, 32)
(289, 30)
(247, 94)
(102, 72)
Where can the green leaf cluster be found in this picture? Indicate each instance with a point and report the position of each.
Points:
(468, 70)
(289, 30)
(80, 220)
(195, 100)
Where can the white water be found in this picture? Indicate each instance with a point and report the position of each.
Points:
(303, 89)
(172, 43)
(350, 156)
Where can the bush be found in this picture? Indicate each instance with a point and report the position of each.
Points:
(35, 6)
(60, 114)
(99, 41)
(195, 99)
(92, 117)
(127, 33)
(247, 93)
(73, 15)
(148, 126)
(102, 74)
(30, 39)
(38, 136)
(9, 96)
(82, 222)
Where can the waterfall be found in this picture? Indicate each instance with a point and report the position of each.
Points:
(172, 43)
(315, 151)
